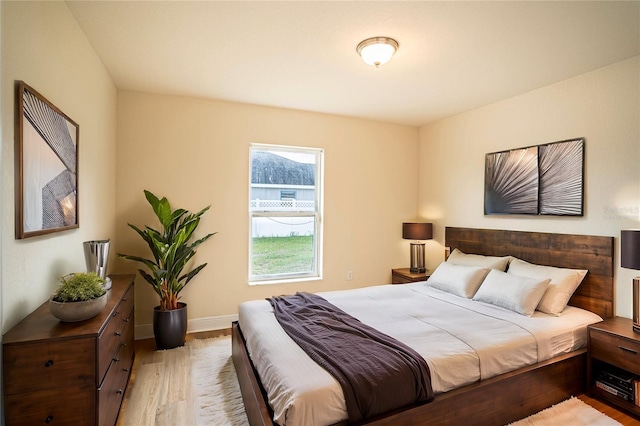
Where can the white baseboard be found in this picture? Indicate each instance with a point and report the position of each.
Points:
(196, 325)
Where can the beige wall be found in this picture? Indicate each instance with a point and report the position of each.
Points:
(601, 106)
(196, 152)
(43, 45)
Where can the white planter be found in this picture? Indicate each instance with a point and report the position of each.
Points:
(77, 311)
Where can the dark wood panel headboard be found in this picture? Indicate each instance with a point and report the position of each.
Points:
(594, 253)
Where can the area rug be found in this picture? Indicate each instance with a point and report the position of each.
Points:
(197, 385)
(572, 412)
(217, 392)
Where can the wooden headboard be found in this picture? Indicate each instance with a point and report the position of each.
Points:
(595, 294)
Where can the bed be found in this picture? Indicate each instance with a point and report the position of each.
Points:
(505, 397)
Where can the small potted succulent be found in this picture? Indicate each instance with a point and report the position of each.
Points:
(80, 296)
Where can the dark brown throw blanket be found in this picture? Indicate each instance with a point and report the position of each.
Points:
(377, 373)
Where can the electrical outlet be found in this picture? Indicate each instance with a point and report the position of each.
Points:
(349, 275)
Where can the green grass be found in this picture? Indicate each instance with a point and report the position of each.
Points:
(281, 255)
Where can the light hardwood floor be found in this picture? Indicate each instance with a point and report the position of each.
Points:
(145, 348)
(144, 354)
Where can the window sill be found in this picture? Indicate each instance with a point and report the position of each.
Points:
(285, 280)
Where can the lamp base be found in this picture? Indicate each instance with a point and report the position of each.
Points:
(636, 304)
(417, 258)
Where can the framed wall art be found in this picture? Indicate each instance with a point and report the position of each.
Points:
(538, 180)
(46, 166)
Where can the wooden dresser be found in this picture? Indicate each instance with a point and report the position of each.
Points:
(70, 373)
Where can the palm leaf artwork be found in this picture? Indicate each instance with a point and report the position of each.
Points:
(543, 180)
(561, 178)
(171, 249)
(511, 182)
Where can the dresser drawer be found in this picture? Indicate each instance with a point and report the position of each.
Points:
(72, 405)
(113, 334)
(38, 366)
(126, 304)
(128, 334)
(615, 350)
(123, 358)
(111, 392)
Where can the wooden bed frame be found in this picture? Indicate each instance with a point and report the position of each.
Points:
(510, 396)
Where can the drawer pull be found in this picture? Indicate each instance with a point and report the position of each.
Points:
(126, 370)
(48, 420)
(126, 320)
(48, 363)
(115, 314)
(115, 359)
(628, 350)
(117, 333)
(119, 391)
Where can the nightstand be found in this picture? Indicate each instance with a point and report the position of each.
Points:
(404, 276)
(613, 343)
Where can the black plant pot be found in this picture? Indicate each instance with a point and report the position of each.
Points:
(170, 327)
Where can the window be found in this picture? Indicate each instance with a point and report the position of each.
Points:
(285, 213)
(287, 195)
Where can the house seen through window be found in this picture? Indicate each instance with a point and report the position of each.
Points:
(287, 195)
(285, 206)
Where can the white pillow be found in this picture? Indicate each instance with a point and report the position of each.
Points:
(518, 294)
(460, 280)
(564, 283)
(494, 262)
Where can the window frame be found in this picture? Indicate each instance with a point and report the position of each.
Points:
(317, 214)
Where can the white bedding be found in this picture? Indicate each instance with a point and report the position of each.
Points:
(462, 341)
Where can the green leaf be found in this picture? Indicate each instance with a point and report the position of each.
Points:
(148, 263)
(161, 208)
(189, 276)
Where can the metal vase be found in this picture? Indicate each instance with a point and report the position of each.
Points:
(96, 256)
(170, 327)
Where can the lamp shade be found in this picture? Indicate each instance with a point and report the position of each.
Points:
(630, 249)
(417, 231)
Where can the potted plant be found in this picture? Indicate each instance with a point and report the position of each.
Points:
(172, 250)
(80, 296)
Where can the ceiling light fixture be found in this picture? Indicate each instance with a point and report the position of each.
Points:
(377, 51)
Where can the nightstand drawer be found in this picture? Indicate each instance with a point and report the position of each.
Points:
(615, 350)
(399, 279)
(405, 276)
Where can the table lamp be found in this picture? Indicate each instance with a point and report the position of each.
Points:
(417, 232)
(630, 258)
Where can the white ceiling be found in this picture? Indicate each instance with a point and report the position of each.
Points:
(453, 56)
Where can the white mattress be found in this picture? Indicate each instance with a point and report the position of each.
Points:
(462, 341)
